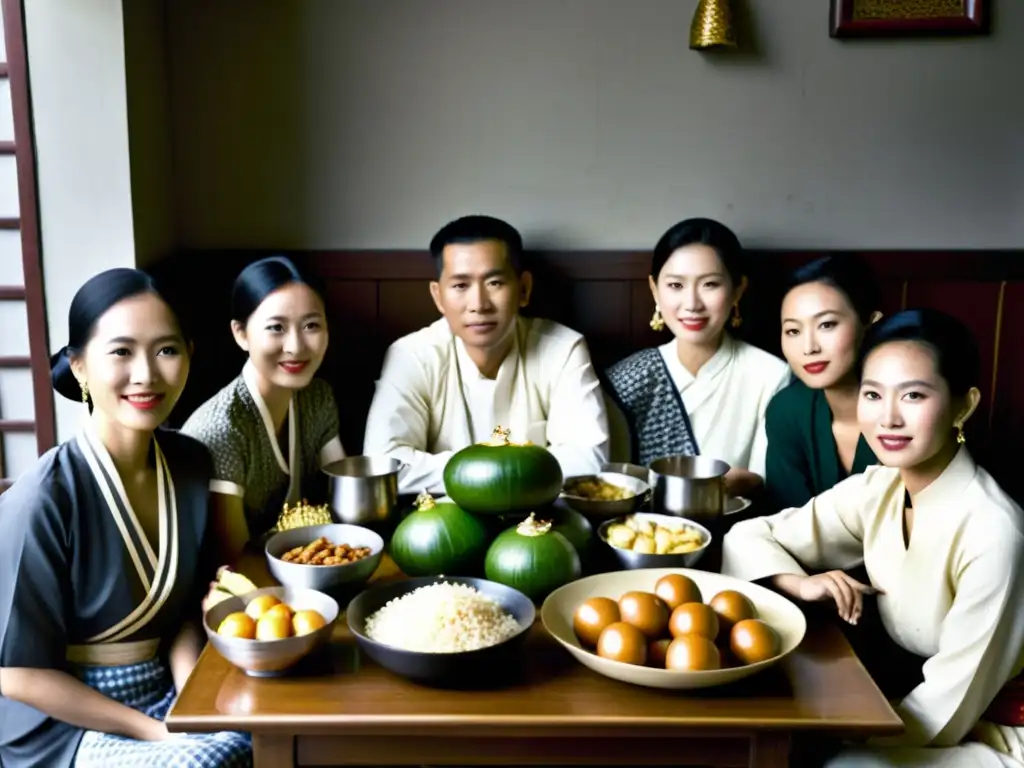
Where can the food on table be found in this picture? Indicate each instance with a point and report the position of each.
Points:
(596, 489)
(228, 584)
(306, 622)
(238, 624)
(694, 619)
(622, 642)
(321, 551)
(532, 558)
(267, 618)
(438, 538)
(657, 650)
(441, 618)
(301, 515)
(692, 653)
(575, 527)
(753, 640)
(654, 538)
(693, 636)
(592, 616)
(260, 605)
(732, 607)
(645, 611)
(676, 589)
(501, 477)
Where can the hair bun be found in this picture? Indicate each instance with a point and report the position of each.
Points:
(63, 379)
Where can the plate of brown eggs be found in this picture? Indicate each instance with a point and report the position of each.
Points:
(673, 627)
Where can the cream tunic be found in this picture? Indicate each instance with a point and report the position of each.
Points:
(954, 596)
(432, 401)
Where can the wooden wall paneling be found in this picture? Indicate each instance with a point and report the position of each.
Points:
(974, 304)
(404, 306)
(355, 354)
(599, 309)
(1007, 415)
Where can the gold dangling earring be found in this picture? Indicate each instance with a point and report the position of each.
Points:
(85, 392)
(737, 320)
(657, 321)
(961, 438)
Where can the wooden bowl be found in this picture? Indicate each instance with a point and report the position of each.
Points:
(558, 609)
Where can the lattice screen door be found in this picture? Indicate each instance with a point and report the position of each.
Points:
(26, 398)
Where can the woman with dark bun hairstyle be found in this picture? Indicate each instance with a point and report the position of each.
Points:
(102, 569)
(704, 392)
(814, 439)
(941, 542)
(272, 429)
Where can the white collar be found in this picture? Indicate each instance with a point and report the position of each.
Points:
(957, 475)
(714, 366)
(468, 369)
(251, 379)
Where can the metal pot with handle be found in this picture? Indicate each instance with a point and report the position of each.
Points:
(364, 489)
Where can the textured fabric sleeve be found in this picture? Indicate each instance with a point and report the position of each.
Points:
(325, 417)
(220, 431)
(826, 533)
(577, 427)
(398, 422)
(34, 577)
(786, 472)
(980, 643)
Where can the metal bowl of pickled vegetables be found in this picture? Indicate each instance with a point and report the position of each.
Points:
(649, 540)
(607, 494)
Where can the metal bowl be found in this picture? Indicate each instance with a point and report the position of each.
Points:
(323, 577)
(469, 669)
(632, 560)
(689, 486)
(364, 489)
(271, 658)
(604, 509)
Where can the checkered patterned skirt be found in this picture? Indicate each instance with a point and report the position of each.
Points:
(148, 687)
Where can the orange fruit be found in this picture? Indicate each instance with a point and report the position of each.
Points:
(237, 624)
(281, 609)
(307, 622)
(260, 605)
(275, 627)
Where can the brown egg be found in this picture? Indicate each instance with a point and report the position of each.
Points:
(645, 611)
(694, 619)
(622, 642)
(692, 653)
(676, 589)
(752, 641)
(732, 607)
(592, 616)
(656, 652)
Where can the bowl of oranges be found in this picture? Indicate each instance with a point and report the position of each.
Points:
(266, 632)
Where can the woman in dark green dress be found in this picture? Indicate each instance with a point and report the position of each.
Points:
(813, 437)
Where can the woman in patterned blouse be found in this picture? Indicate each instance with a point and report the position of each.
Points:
(271, 429)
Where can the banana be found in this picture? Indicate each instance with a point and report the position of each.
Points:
(234, 583)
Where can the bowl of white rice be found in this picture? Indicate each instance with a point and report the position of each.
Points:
(449, 631)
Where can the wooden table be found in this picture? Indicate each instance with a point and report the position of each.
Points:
(342, 709)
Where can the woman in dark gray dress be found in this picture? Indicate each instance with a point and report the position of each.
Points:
(101, 553)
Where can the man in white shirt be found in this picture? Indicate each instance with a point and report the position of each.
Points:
(481, 366)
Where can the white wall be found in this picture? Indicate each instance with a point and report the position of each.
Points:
(76, 72)
(351, 124)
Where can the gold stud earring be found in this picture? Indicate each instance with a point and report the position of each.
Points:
(657, 321)
(737, 320)
(85, 392)
(961, 438)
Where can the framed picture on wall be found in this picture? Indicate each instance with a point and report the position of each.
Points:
(898, 18)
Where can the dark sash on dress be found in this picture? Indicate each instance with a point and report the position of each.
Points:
(643, 389)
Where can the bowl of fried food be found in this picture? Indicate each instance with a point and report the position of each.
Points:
(649, 540)
(324, 557)
(606, 494)
(269, 630)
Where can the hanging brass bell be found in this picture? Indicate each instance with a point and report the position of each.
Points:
(713, 25)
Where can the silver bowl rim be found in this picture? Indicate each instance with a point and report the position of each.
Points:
(588, 500)
(707, 537)
(375, 551)
(243, 642)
